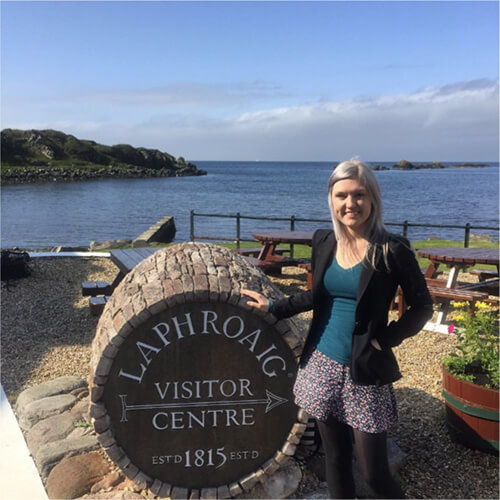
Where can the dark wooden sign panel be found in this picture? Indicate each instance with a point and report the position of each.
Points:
(200, 394)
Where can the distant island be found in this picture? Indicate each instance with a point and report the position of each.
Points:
(50, 155)
(407, 165)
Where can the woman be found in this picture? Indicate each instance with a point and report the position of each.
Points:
(347, 366)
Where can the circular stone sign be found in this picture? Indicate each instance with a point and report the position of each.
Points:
(192, 389)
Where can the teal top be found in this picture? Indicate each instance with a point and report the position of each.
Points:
(336, 323)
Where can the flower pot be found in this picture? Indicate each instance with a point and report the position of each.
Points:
(471, 413)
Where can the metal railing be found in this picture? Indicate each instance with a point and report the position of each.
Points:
(292, 220)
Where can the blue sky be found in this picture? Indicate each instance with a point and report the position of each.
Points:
(259, 80)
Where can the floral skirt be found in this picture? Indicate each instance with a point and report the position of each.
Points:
(324, 387)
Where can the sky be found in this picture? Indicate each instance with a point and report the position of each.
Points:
(284, 81)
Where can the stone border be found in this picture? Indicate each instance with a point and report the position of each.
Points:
(162, 231)
(192, 272)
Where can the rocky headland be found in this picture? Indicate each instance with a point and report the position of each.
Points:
(50, 155)
(407, 165)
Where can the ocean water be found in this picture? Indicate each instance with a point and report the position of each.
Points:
(74, 213)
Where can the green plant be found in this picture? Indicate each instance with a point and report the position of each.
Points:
(476, 358)
(83, 423)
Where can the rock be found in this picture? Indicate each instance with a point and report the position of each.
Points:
(80, 431)
(406, 165)
(318, 494)
(51, 388)
(105, 245)
(480, 237)
(51, 453)
(74, 476)
(115, 495)
(128, 484)
(283, 483)
(43, 408)
(80, 393)
(108, 481)
(51, 429)
(82, 410)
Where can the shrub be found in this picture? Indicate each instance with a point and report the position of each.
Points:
(476, 358)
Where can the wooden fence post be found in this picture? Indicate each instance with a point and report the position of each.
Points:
(467, 235)
(238, 230)
(292, 228)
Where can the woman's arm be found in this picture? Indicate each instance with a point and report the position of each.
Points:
(416, 294)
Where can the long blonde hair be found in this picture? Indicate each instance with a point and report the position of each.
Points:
(377, 234)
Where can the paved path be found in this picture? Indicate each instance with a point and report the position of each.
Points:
(19, 479)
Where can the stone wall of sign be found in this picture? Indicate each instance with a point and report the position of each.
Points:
(191, 388)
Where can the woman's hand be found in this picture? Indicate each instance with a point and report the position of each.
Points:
(259, 301)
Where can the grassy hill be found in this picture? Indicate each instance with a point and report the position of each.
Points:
(32, 152)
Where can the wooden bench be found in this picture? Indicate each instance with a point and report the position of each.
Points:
(94, 288)
(441, 282)
(96, 304)
(442, 294)
(484, 274)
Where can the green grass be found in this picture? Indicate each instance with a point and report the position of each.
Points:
(452, 243)
(299, 251)
(304, 251)
(422, 244)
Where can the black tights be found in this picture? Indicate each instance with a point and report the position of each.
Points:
(371, 453)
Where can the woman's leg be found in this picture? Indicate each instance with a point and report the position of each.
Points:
(371, 452)
(337, 444)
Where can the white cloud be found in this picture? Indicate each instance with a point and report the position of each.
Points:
(186, 95)
(459, 121)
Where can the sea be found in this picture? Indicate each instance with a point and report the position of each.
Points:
(74, 213)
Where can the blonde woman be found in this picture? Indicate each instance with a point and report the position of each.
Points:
(347, 367)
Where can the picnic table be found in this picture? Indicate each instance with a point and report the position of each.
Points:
(457, 259)
(271, 239)
(271, 259)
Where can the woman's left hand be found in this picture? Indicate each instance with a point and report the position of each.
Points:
(259, 301)
(374, 343)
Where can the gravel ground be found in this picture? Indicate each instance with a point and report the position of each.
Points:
(47, 330)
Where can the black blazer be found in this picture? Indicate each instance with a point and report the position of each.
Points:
(377, 287)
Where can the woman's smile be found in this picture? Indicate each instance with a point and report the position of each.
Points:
(351, 203)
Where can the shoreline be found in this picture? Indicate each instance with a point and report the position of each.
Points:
(29, 175)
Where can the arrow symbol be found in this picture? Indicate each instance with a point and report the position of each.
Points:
(271, 402)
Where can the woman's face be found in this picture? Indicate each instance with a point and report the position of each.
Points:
(351, 204)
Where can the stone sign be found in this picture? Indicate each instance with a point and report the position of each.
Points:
(192, 389)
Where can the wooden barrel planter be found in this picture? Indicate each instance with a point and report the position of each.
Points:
(191, 389)
(471, 413)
